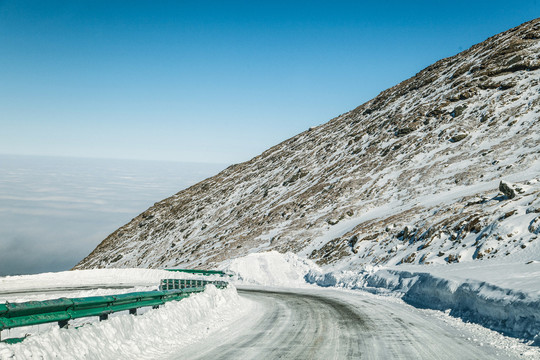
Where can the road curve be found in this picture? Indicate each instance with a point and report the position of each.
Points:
(318, 324)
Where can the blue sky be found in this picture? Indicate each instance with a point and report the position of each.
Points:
(212, 81)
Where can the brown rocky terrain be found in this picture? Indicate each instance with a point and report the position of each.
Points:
(412, 176)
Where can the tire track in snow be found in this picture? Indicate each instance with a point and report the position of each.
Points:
(307, 324)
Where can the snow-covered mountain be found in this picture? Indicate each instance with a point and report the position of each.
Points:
(444, 167)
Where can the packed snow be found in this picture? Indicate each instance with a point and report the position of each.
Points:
(153, 333)
(81, 283)
(270, 269)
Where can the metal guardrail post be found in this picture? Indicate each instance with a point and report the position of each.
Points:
(63, 323)
(170, 284)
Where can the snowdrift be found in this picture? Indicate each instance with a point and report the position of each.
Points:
(510, 311)
(504, 297)
(154, 334)
(271, 269)
(81, 283)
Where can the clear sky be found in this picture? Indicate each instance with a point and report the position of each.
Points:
(212, 81)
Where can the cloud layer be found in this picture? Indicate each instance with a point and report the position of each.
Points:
(54, 211)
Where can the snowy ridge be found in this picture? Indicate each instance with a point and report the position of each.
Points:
(411, 176)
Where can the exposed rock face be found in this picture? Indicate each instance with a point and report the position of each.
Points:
(534, 226)
(507, 190)
(408, 177)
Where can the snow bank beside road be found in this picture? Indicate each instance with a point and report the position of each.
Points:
(271, 269)
(509, 311)
(512, 311)
(151, 335)
(501, 296)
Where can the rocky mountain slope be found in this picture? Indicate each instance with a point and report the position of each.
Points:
(412, 176)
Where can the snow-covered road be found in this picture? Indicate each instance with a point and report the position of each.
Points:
(334, 324)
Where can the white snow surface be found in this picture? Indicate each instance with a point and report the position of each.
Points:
(271, 269)
(500, 295)
(78, 283)
(153, 334)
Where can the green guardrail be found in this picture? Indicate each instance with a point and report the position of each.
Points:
(172, 284)
(62, 310)
(201, 272)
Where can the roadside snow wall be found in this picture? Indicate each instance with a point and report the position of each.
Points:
(510, 312)
(155, 334)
